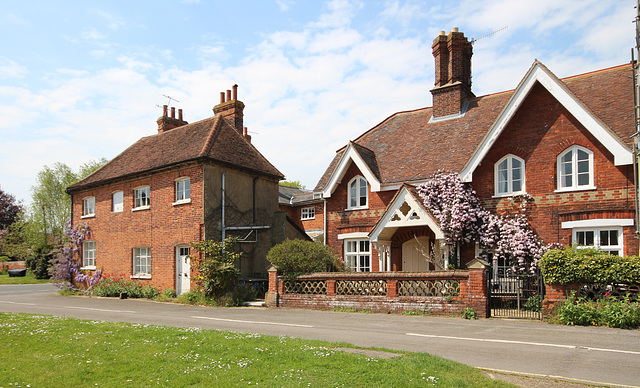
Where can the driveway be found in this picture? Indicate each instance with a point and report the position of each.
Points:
(596, 355)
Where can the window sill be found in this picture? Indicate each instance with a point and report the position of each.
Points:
(182, 202)
(572, 189)
(88, 268)
(137, 209)
(507, 195)
(141, 276)
(116, 211)
(88, 216)
(357, 208)
(307, 219)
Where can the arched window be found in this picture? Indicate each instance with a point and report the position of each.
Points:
(357, 189)
(509, 176)
(575, 169)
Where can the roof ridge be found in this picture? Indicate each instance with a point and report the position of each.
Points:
(213, 133)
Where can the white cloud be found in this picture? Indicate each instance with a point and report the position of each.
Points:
(92, 34)
(340, 13)
(284, 5)
(11, 69)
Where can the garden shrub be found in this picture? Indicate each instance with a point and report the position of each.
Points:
(297, 257)
(588, 266)
(469, 313)
(40, 261)
(612, 312)
(216, 271)
(113, 287)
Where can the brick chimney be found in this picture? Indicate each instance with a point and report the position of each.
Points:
(166, 123)
(231, 109)
(452, 89)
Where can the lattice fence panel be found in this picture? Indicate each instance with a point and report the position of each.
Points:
(428, 287)
(307, 287)
(361, 287)
(599, 291)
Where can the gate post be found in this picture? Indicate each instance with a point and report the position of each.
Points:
(272, 297)
(478, 297)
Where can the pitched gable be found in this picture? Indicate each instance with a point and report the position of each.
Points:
(364, 159)
(539, 74)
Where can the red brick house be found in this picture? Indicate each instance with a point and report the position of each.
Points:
(187, 183)
(304, 210)
(566, 142)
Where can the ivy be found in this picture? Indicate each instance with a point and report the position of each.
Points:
(464, 219)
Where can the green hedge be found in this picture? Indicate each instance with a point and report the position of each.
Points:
(588, 266)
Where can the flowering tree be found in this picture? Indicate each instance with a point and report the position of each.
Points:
(66, 266)
(464, 219)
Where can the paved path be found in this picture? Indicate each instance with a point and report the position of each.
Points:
(587, 354)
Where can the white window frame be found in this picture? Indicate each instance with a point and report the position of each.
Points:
(183, 193)
(308, 213)
(88, 254)
(117, 207)
(510, 191)
(359, 180)
(141, 263)
(88, 207)
(574, 170)
(597, 242)
(354, 252)
(139, 202)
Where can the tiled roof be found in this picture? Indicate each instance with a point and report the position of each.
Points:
(211, 139)
(406, 147)
(299, 195)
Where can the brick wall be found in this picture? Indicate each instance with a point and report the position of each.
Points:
(538, 133)
(12, 265)
(162, 227)
(472, 293)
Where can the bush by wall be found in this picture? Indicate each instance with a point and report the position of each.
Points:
(113, 287)
(588, 266)
(297, 257)
(612, 312)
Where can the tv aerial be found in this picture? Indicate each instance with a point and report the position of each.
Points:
(474, 40)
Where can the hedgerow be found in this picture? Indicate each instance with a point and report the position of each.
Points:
(297, 257)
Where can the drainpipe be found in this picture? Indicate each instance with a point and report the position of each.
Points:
(324, 220)
(222, 226)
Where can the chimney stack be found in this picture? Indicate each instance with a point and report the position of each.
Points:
(231, 109)
(166, 123)
(245, 134)
(452, 54)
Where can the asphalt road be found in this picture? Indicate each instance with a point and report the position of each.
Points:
(597, 355)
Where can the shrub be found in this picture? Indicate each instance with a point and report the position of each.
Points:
(40, 261)
(533, 303)
(469, 313)
(297, 257)
(215, 266)
(192, 297)
(612, 312)
(113, 287)
(588, 266)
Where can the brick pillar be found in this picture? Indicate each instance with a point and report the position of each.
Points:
(272, 297)
(392, 288)
(331, 287)
(475, 294)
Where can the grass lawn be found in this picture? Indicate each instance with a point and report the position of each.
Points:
(39, 350)
(29, 279)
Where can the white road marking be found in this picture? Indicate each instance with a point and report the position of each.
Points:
(253, 322)
(523, 343)
(106, 310)
(25, 304)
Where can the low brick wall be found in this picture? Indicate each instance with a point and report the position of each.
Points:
(12, 265)
(555, 294)
(386, 295)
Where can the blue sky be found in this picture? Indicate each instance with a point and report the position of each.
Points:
(82, 80)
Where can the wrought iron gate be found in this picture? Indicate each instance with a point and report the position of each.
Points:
(515, 296)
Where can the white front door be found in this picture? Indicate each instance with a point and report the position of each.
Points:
(183, 270)
(413, 258)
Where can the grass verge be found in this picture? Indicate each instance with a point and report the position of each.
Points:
(38, 350)
(28, 279)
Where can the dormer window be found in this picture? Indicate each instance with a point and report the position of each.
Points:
(357, 193)
(575, 169)
(509, 176)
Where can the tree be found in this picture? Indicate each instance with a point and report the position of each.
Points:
(297, 184)
(50, 204)
(9, 209)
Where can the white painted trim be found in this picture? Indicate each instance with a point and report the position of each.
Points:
(350, 155)
(463, 111)
(354, 235)
(622, 155)
(598, 222)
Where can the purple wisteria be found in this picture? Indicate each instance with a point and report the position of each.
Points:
(65, 271)
(464, 219)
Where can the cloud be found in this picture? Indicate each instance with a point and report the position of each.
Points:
(284, 5)
(92, 34)
(10, 69)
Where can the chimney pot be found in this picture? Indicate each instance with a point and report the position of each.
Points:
(179, 114)
(165, 109)
(173, 112)
(454, 29)
(235, 91)
(228, 95)
(222, 97)
(442, 33)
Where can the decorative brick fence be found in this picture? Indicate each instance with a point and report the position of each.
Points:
(12, 265)
(436, 292)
